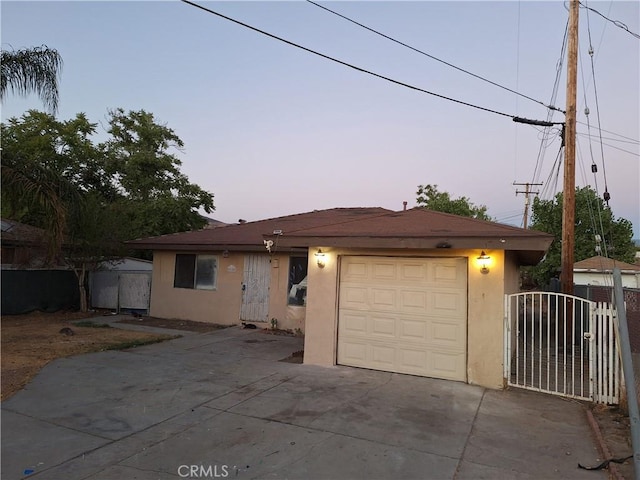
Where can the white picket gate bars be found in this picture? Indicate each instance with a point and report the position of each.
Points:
(562, 345)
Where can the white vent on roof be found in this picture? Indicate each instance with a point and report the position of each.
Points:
(277, 232)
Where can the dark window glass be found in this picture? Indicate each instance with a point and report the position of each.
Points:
(195, 271)
(185, 270)
(297, 281)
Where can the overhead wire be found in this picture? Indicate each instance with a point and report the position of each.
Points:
(635, 154)
(551, 185)
(613, 133)
(551, 107)
(617, 23)
(354, 67)
(554, 94)
(632, 142)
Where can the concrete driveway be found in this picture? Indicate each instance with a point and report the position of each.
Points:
(222, 405)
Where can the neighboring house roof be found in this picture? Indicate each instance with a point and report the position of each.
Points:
(16, 233)
(249, 236)
(213, 223)
(424, 229)
(361, 228)
(601, 264)
(127, 264)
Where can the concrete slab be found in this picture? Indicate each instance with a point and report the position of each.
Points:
(223, 399)
(31, 445)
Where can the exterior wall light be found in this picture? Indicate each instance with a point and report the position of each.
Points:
(483, 261)
(320, 258)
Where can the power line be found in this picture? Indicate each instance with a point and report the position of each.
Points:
(633, 142)
(635, 154)
(612, 133)
(542, 150)
(551, 107)
(368, 72)
(617, 23)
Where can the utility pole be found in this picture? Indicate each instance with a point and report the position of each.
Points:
(526, 192)
(569, 190)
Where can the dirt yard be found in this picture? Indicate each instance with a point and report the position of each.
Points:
(31, 341)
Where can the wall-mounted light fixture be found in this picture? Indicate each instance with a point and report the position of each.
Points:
(320, 258)
(483, 261)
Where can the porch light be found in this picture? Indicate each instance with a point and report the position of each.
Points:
(483, 261)
(320, 258)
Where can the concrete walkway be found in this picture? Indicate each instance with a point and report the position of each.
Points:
(221, 405)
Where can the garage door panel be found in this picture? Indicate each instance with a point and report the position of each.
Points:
(383, 327)
(383, 299)
(446, 334)
(447, 365)
(355, 270)
(446, 274)
(413, 360)
(382, 356)
(447, 304)
(384, 271)
(353, 323)
(413, 272)
(413, 330)
(413, 301)
(354, 352)
(355, 298)
(406, 315)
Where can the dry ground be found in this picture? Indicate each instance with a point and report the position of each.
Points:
(32, 340)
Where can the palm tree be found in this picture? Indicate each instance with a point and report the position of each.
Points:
(32, 70)
(22, 72)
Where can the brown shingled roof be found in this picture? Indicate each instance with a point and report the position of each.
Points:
(603, 264)
(360, 228)
(423, 229)
(250, 236)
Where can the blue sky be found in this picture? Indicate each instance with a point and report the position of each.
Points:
(272, 130)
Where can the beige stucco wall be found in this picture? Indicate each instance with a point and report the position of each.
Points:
(485, 309)
(221, 306)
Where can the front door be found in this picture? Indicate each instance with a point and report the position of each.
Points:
(255, 288)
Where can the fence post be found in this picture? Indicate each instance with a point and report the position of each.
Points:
(627, 368)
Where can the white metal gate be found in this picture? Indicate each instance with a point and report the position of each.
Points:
(563, 345)
(255, 288)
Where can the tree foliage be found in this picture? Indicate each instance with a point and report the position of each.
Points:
(93, 196)
(592, 217)
(31, 70)
(428, 196)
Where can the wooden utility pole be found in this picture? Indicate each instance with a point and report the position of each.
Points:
(527, 192)
(569, 190)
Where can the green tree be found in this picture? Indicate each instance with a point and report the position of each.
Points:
(127, 187)
(592, 218)
(159, 198)
(22, 72)
(428, 196)
(31, 70)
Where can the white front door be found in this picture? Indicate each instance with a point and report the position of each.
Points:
(405, 315)
(255, 288)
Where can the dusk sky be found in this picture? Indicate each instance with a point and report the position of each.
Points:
(273, 130)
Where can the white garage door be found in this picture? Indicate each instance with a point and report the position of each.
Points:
(405, 315)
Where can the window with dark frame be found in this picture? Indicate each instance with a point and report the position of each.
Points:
(297, 281)
(195, 271)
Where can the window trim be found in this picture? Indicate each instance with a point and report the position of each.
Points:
(193, 283)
